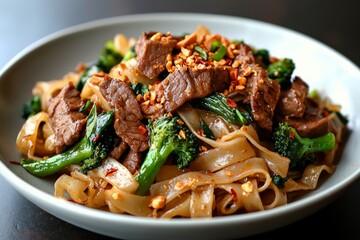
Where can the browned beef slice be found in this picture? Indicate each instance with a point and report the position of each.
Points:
(132, 161)
(151, 54)
(185, 84)
(314, 123)
(292, 100)
(119, 150)
(263, 94)
(245, 54)
(127, 112)
(66, 120)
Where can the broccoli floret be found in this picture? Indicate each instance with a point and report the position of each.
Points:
(87, 147)
(107, 59)
(301, 151)
(226, 108)
(168, 136)
(282, 71)
(31, 107)
(263, 56)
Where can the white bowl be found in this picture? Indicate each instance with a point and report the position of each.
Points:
(323, 68)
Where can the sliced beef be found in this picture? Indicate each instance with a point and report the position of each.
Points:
(314, 123)
(66, 120)
(152, 54)
(128, 115)
(292, 100)
(132, 161)
(119, 150)
(245, 54)
(188, 83)
(263, 95)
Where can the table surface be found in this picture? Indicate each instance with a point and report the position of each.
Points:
(335, 23)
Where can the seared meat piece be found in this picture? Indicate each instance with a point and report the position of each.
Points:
(263, 95)
(261, 92)
(311, 125)
(127, 113)
(66, 120)
(119, 150)
(152, 53)
(185, 84)
(245, 55)
(132, 161)
(314, 123)
(292, 100)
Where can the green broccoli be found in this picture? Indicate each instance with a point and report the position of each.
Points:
(168, 136)
(139, 88)
(88, 149)
(223, 106)
(31, 107)
(107, 59)
(129, 54)
(301, 151)
(282, 71)
(263, 56)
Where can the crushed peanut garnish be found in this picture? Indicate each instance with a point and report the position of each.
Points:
(247, 187)
(116, 196)
(178, 186)
(157, 202)
(182, 134)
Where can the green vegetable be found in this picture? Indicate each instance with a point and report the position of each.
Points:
(167, 137)
(219, 49)
(263, 55)
(202, 52)
(129, 54)
(282, 71)
(219, 104)
(31, 107)
(139, 88)
(107, 59)
(207, 131)
(84, 149)
(279, 181)
(85, 106)
(300, 151)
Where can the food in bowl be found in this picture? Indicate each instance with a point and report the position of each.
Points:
(192, 126)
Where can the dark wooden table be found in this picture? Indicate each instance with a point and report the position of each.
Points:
(335, 23)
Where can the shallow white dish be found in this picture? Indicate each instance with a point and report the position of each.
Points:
(50, 58)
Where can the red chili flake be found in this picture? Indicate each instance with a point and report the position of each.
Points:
(236, 73)
(234, 195)
(70, 200)
(201, 61)
(157, 82)
(110, 171)
(142, 129)
(14, 162)
(234, 82)
(96, 137)
(291, 135)
(231, 103)
(208, 172)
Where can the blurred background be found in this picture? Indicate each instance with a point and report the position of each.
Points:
(333, 22)
(22, 22)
